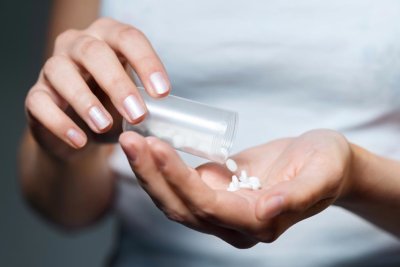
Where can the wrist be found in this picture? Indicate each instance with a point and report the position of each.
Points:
(40, 162)
(354, 184)
(50, 148)
(71, 191)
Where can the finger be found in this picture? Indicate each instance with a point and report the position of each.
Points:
(138, 153)
(218, 207)
(185, 181)
(42, 108)
(136, 48)
(140, 158)
(103, 64)
(143, 165)
(65, 78)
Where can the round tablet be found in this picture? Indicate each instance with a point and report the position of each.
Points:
(231, 165)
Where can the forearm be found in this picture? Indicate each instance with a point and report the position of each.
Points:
(374, 191)
(71, 193)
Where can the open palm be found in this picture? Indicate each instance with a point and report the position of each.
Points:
(299, 177)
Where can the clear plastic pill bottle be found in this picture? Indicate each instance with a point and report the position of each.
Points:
(188, 126)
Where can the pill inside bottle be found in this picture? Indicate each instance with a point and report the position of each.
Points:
(192, 127)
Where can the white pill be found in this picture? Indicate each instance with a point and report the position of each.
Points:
(235, 180)
(243, 181)
(255, 183)
(255, 187)
(231, 165)
(254, 179)
(243, 177)
(233, 187)
(245, 185)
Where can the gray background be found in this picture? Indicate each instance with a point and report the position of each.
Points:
(25, 239)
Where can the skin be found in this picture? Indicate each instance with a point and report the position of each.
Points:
(72, 185)
(68, 180)
(300, 177)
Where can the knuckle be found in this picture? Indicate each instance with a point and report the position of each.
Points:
(200, 213)
(32, 97)
(81, 101)
(66, 37)
(175, 215)
(141, 146)
(119, 82)
(35, 98)
(149, 61)
(129, 34)
(103, 21)
(52, 64)
(90, 46)
(161, 147)
(204, 210)
(160, 150)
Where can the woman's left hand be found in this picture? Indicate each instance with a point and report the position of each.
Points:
(299, 176)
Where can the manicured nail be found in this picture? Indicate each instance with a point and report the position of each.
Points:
(76, 137)
(272, 207)
(133, 107)
(99, 118)
(160, 85)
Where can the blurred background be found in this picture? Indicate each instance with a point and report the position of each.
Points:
(25, 238)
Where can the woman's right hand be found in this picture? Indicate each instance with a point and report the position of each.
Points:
(83, 89)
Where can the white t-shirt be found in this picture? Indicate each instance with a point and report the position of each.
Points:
(286, 66)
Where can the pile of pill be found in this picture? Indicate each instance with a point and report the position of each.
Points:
(192, 141)
(243, 181)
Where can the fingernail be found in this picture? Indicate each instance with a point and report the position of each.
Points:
(160, 85)
(99, 118)
(133, 107)
(76, 137)
(130, 153)
(272, 207)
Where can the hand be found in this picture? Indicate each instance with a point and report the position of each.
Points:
(83, 87)
(300, 177)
